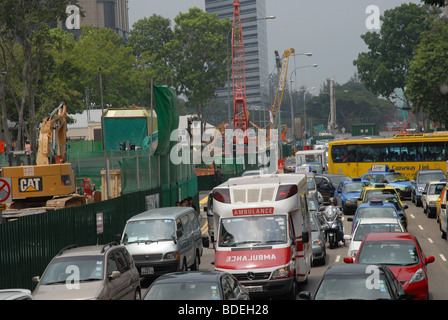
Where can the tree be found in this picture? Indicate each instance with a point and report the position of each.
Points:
(354, 104)
(199, 57)
(24, 36)
(439, 3)
(427, 79)
(383, 68)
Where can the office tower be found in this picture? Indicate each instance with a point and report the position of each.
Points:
(255, 45)
(100, 13)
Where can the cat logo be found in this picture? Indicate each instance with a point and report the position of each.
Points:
(30, 184)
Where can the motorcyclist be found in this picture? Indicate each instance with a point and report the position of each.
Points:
(339, 222)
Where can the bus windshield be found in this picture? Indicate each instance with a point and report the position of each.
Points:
(253, 230)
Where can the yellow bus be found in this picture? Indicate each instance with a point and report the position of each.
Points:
(405, 153)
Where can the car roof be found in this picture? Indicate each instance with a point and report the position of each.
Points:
(95, 250)
(388, 236)
(384, 204)
(190, 276)
(377, 220)
(348, 269)
(161, 213)
(436, 182)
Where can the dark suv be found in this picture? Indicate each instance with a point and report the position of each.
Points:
(92, 272)
(327, 184)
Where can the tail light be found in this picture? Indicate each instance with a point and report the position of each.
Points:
(285, 192)
(221, 195)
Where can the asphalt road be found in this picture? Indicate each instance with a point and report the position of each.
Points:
(425, 229)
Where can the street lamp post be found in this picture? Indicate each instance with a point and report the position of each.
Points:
(292, 107)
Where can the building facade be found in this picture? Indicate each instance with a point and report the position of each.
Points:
(98, 13)
(255, 48)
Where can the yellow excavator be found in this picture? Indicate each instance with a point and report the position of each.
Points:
(51, 181)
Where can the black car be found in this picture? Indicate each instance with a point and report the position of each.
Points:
(196, 286)
(357, 282)
(327, 184)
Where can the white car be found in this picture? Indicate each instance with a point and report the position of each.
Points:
(368, 225)
(429, 197)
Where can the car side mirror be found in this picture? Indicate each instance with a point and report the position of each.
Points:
(350, 219)
(205, 209)
(115, 274)
(349, 260)
(443, 206)
(306, 295)
(35, 279)
(305, 237)
(179, 234)
(429, 259)
(405, 206)
(118, 238)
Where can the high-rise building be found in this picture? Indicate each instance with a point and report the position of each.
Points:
(255, 47)
(99, 13)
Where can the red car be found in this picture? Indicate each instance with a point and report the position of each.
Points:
(401, 252)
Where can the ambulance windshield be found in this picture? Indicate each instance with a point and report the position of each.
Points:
(253, 230)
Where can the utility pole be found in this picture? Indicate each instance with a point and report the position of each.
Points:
(332, 126)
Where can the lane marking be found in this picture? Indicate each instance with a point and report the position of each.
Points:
(430, 240)
(442, 257)
(421, 228)
(412, 216)
(338, 257)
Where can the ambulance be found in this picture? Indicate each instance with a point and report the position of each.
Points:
(262, 232)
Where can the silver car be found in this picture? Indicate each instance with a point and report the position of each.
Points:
(105, 272)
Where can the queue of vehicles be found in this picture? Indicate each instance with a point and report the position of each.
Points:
(267, 231)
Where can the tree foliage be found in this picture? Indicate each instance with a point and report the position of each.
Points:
(354, 105)
(427, 80)
(384, 67)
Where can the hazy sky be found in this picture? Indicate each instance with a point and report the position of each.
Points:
(330, 29)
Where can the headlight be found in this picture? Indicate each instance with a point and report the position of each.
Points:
(281, 273)
(351, 201)
(420, 189)
(317, 242)
(419, 275)
(172, 255)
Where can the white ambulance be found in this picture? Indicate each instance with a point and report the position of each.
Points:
(262, 232)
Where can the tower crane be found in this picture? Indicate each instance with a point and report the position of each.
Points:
(241, 115)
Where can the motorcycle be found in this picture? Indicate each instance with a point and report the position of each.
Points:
(331, 224)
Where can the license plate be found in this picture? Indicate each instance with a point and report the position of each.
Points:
(254, 288)
(147, 270)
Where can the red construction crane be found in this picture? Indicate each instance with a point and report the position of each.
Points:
(240, 119)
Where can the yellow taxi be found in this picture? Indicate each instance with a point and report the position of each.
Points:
(378, 191)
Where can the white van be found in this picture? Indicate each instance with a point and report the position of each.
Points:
(164, 240)
(263, 232)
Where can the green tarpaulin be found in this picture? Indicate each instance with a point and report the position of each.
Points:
(167, 117)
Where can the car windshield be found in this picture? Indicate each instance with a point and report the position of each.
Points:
(353, 187)
(402, 253)
(436, 189)
(263, 230)
(314, 224)
(430, 176)
(396, 177)
(352, 287)
(373, 192)
(290, 161)
(149, 230)
(365, 228)
(65, 269)
(335, 180)
(376, 212)
(184, 291)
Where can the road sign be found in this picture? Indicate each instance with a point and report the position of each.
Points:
(5, 190)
